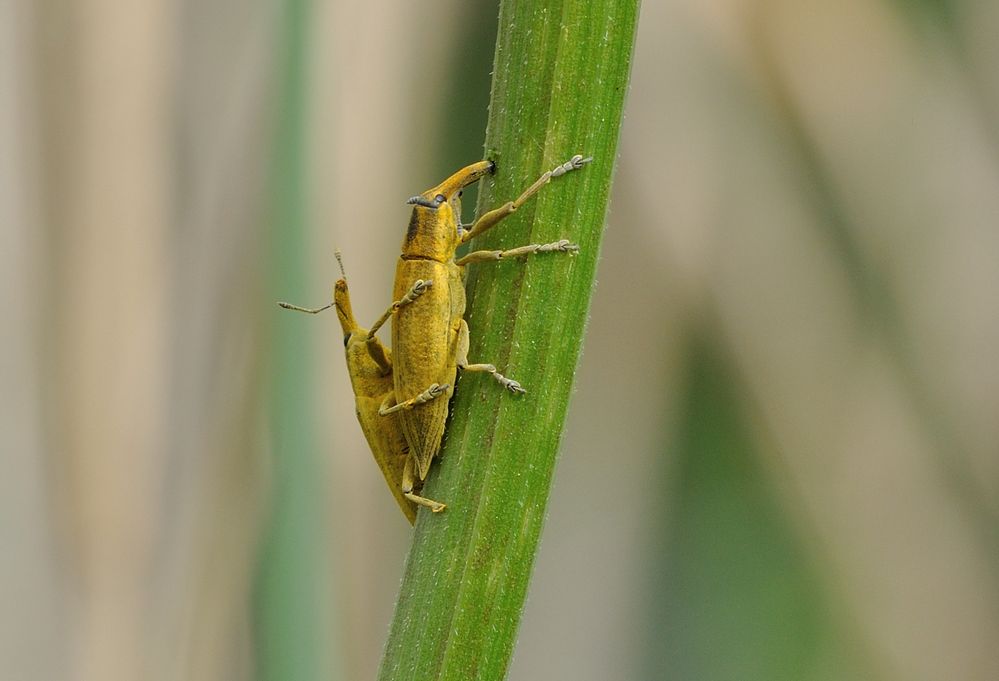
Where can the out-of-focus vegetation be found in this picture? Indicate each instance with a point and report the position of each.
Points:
(779, 460)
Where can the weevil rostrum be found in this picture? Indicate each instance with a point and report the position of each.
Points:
(430, 336)
(369, 365)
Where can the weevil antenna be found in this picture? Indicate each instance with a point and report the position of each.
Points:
(339, 259)
(427, 203)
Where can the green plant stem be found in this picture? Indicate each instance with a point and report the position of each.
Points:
(560, 78)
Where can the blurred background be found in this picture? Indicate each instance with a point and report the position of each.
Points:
(780, 461)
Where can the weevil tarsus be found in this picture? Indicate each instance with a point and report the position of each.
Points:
(491, 218)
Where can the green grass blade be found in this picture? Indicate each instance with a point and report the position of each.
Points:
(560, 79)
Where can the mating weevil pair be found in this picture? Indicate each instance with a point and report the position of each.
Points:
(402, 397)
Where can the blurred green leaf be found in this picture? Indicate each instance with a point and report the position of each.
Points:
(736, 596)
(941, 14)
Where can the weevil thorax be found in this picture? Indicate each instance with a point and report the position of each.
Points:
(433, 232)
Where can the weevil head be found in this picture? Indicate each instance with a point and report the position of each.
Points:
(367, 358)
(434, 226)
(344, 312)
(354, 337)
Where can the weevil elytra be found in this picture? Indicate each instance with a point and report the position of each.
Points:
(430, 336)
(369, 365)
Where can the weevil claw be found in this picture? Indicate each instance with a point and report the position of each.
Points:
(574, 163)
(514, 387)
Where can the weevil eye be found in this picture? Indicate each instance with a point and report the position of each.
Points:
(439, 199)
(346, 339)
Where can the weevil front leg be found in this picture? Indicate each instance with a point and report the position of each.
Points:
(408, 485)
(494, 216)
(462, 361)
(375, 349)
(431, 393)
(418, 288)
(561, 246)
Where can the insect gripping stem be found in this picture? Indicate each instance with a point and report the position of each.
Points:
(430, 338)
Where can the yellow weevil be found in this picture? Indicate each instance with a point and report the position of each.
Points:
(369, 364)
(430, 336)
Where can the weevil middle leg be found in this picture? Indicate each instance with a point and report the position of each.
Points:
(561, 246)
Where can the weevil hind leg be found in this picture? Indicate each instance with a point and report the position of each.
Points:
(431, 393)
(462, 361)
(408, 485)
(490, 219)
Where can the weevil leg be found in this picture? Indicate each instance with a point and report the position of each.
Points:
(562, 246)
(431, 393)
(309, 310)
(418, 288)
(491, 218)
(378, 353)
(408, 484)
(462, 361)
